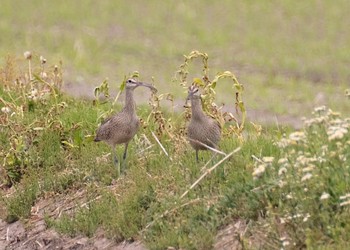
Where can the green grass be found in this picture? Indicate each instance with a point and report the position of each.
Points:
(280, 195)
(289, 56)
(286, 51)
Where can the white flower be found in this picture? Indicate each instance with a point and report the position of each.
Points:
(320, 109)
(336, 132)
(268, 159)
(34, 92)
(306, 177)
(283, 143)
(344, 197)
(307, 216)
(282, 170)
(283, 161)
(302, 160)
(27, 55)
(5, 110)
(285, 243)
(42, 60)
(342, 157)
(281, 183)
(259, 171)
(344, 203)
(336, 122)
(297, 136)
(309, 168)
(317, 120)
(294, 216)
(43, 75)
(321, 160)
(324, 196)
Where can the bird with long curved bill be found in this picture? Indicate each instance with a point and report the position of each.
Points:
(202, 130)
(122, 127)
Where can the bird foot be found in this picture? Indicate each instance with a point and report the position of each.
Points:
(123, 167)
(115, 160)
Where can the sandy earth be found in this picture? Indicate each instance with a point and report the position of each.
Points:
(37, 236)
(34, 234)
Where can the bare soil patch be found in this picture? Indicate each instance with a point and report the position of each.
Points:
(34, 233)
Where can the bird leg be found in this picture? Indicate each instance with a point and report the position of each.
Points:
(124, 156)
(115, 160)
(197, 156)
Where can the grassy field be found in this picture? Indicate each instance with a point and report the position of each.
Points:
(294, 53)
(286, 188)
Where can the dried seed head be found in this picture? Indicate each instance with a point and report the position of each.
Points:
(42, 60)
(27, 55)
(55, 69)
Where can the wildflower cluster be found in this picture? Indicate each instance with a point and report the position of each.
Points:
(311, 177)
(37, 90)
(261, 166)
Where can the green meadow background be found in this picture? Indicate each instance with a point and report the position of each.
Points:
(290, 55)
(285, 187)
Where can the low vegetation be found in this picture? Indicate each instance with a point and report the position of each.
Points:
(290, 188)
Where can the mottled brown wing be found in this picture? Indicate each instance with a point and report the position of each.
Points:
(105, 129)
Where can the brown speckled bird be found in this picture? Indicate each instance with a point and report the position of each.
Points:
(121, 128)
(201, 128)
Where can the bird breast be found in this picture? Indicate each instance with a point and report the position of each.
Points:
(118, 129)
(206, 131)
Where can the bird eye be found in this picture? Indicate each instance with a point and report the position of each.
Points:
(130, 81)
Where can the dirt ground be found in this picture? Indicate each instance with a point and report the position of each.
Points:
(37, 236)
(34, 233)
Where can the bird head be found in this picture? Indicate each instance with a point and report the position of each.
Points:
(192, 90)
(133, 84)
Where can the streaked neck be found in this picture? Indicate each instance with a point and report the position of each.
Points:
(196, 107)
